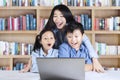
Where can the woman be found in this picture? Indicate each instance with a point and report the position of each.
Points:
(61, 16)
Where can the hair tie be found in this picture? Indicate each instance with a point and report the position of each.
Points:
(38, 36)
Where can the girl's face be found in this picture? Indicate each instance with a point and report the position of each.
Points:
(75, 39)
(59, 19)
(47, 40)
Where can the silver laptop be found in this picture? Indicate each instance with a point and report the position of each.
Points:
(61, 68)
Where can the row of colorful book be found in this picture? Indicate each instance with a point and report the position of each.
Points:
(56, 2)
(15, 48)
(104, 49)
(93, 3)
(19, 66)
(37, 2)
(111, 23)
(22, 22)
(21, 2)
(85, 19)
(4, 68)
(4, 3)
(42, 23)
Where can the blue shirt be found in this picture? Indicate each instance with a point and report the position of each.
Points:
(65, 50)
(61, 38)
(40, 53)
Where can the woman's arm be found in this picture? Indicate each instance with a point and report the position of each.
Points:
(88, 67)
(89, 46)
(96, 65)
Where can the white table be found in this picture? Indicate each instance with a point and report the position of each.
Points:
(107, 75)
(16, 75)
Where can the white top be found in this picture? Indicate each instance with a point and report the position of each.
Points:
(40, 53)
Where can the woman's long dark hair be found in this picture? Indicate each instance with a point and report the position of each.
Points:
(38, 38)
(66, 13)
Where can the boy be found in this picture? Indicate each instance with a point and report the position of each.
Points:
(73, 48)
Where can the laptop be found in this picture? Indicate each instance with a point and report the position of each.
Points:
(61, 68)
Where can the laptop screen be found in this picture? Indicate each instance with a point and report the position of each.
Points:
(61, 68)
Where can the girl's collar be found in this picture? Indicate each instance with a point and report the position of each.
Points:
(50, 51)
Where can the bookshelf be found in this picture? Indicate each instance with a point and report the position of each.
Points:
(10, 60)
(110, 37)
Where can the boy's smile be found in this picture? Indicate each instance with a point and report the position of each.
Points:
(74, 44)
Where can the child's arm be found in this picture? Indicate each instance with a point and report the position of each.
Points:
(26, 69)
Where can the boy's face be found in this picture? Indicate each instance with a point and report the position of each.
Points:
(47, 40)
(75, 39)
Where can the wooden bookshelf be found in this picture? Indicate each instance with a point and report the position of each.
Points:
(10, 60)
(106, 36)
(110, 60)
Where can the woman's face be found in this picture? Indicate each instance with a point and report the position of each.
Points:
(59, 19)
(47, 40)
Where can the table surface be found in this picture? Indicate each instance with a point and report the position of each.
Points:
(16, 75)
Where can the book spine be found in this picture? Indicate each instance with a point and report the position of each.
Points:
(27, 22)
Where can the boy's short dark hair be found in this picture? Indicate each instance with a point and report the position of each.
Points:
(74, 26)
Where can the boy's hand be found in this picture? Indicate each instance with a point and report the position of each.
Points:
(97, 66)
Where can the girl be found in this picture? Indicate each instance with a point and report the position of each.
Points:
(61, 16)
(43, 47)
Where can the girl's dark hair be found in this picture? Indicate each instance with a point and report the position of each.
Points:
(66, 13)
(74, 26)
(38, 38)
